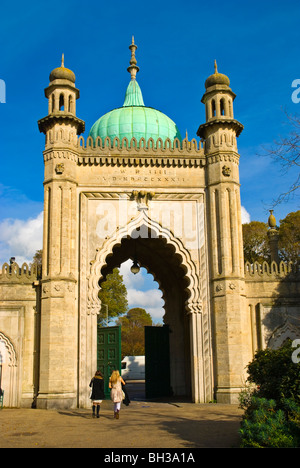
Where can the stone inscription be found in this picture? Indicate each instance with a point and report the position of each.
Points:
(164, 176)
(142, 176)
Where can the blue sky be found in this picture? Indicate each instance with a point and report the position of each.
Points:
(255, 43)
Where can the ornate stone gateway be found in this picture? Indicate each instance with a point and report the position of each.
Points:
(136, 188)
(176, 203)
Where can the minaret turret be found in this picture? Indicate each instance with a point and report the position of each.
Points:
(62, 95)
(220, 129)
(219, 133)
(57, 381)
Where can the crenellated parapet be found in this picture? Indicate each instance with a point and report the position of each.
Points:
(141, 145)
(65, 136)
(140, 153)
(271, 271)
(13, 273)
(128, 152)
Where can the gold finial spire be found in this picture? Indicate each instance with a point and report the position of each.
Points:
(133, 69)
(272, 220)
(63, 61)
(216, 68)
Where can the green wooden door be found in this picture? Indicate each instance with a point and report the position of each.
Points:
(108, 352)
(157, 362)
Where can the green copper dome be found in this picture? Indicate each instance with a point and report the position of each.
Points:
(136, 120)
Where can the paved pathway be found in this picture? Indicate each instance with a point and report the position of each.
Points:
(141, 425)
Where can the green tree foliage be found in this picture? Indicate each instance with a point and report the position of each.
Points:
(289, 237)
(256, 244)
(113, 296)
(275, 374)
(37, 258)
(133, 335)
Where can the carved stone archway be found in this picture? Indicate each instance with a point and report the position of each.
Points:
(177, 258)
(142, 225)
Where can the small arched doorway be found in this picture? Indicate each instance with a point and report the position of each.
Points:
(9, 378)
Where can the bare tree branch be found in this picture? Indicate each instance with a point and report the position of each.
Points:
(286, 152)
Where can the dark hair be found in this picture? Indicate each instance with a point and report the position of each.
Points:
(99, 373)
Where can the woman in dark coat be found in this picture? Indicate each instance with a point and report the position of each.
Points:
(97, 395)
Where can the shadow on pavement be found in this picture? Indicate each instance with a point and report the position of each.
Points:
(205, 433)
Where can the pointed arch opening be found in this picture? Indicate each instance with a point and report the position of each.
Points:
(222, 106)
(71, 104)
(213, 108)
(61, 102)
(52, 103)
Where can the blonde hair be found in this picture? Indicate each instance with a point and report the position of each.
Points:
(115, 376)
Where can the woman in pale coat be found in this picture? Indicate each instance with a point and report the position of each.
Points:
(116, 393)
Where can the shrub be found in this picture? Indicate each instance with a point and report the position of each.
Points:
(275, 374)
(272, 409)
(266, 427)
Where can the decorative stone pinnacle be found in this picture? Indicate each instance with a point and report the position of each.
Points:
(273, 236)
(216, 67)
(133, 69)
(272, 221)
(63, 61)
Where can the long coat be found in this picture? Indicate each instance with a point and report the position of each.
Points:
(97, 384)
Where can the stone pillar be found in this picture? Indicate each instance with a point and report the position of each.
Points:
(59, 311)
(196, 351)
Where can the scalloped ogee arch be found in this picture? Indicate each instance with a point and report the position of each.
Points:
(141, 223)
(156, 256)
(149, 270)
